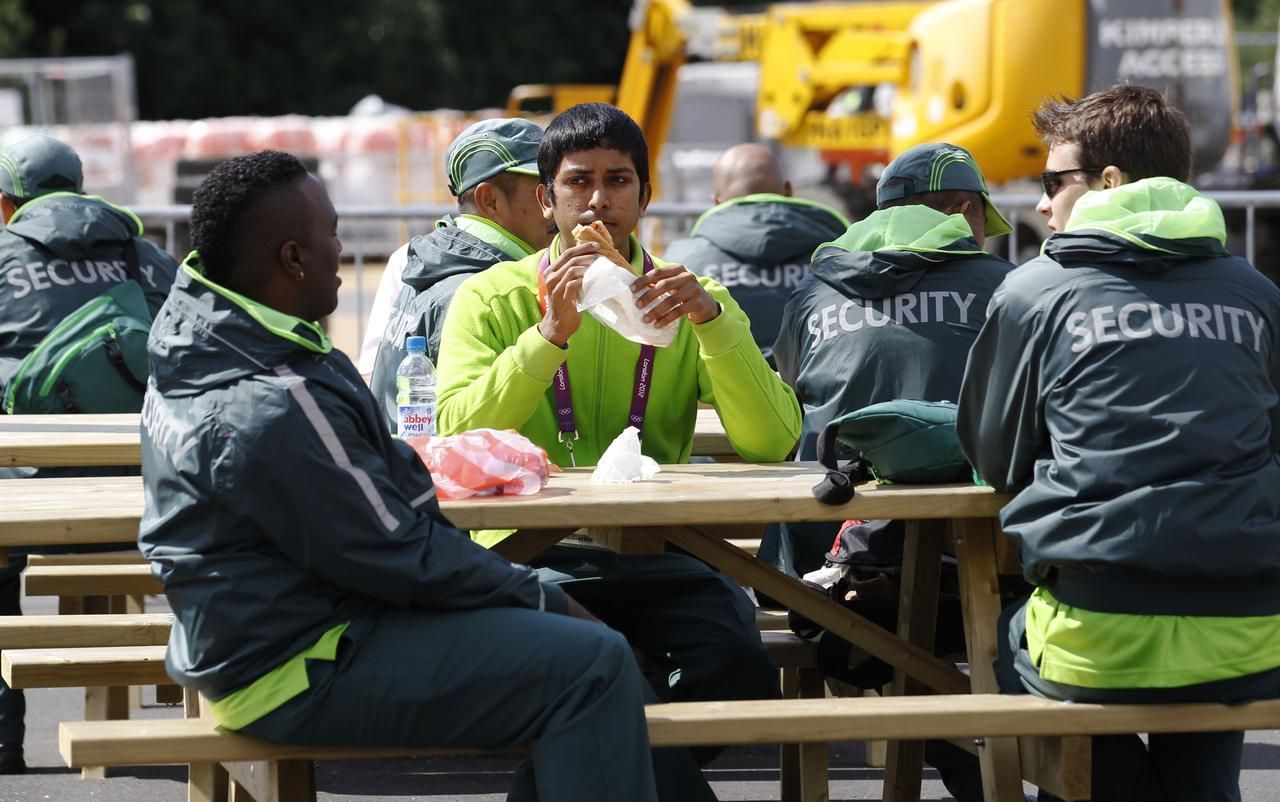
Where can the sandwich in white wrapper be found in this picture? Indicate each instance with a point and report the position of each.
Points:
(606, 293)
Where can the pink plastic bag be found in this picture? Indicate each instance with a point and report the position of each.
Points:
(483, 462)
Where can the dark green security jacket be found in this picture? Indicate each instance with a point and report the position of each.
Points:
(58, 252)
(1125, 387)
(758, 246)
(278, 506)
(437, 264)
(889, 312)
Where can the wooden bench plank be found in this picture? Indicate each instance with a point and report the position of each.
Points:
(88, 558)
(788, 650)
(91, 580)
(53, 667)
(154, 742)
(68, 631)
(84, 667)
(772, 620)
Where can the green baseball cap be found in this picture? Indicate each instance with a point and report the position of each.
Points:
(937, 167)
(490, 147)
(37, 165)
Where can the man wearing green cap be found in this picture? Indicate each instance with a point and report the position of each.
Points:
(60, 247)
(492, 169)
(58, 250)
(891, 309)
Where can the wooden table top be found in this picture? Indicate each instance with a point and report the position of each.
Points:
(107, 509)
(58, 440)
(68, 440)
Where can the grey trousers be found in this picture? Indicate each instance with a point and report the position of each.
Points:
(489, 679)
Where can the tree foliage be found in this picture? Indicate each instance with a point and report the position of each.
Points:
(198, 58)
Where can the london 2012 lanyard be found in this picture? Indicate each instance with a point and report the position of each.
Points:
(564, 399)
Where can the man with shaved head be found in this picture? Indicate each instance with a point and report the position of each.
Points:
(319, 594)
(757, 240)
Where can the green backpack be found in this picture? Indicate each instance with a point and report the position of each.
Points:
(94, 361)
(912, 442)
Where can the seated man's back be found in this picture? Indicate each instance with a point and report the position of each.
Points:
(60, 249)
(890, 311)
(319, 594)
(757, 240)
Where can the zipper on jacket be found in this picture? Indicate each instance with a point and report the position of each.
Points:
(71, 353)
(46, 343)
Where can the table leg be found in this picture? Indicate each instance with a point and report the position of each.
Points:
(707, 543)
(524, 545)
(917, 623)
(980, 591)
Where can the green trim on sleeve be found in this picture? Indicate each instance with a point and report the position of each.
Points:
(242, 707)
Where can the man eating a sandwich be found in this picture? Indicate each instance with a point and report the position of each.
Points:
(517, 353)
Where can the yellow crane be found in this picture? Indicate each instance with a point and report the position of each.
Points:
(863, 81)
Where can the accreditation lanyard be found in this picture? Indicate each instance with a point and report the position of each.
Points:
(564, 399)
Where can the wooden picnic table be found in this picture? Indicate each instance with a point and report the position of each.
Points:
(699, 508)
(69, 440)
(88, 440)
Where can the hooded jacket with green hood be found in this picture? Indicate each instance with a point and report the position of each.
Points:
(1125, 386)
(758, 247)
(437, 264)
(58, 252)
(890, 313)
(496, 371)
(278, 506)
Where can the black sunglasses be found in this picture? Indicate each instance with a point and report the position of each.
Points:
(1052, 181)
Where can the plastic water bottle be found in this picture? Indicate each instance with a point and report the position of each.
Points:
(416, 391)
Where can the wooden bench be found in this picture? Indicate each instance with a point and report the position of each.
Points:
(81, 580)
(47, 667)
(40, 666)
(112, 666)
(132, 557)
(71, 631)
(202, 745)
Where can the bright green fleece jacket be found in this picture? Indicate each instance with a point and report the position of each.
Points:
(496, 370)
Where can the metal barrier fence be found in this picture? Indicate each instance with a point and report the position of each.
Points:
(669, 220)
(1015, 207)
(663, 223)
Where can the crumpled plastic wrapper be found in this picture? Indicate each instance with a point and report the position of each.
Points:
(483, 462)
(622, 461)
(606, 293)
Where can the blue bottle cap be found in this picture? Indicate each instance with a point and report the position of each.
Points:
(415, 344)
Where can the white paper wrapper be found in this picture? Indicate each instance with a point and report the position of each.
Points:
(622, 461)
(606, 293)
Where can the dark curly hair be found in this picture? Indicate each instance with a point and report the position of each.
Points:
(227, 195)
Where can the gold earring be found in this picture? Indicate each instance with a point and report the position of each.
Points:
(299, 276)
